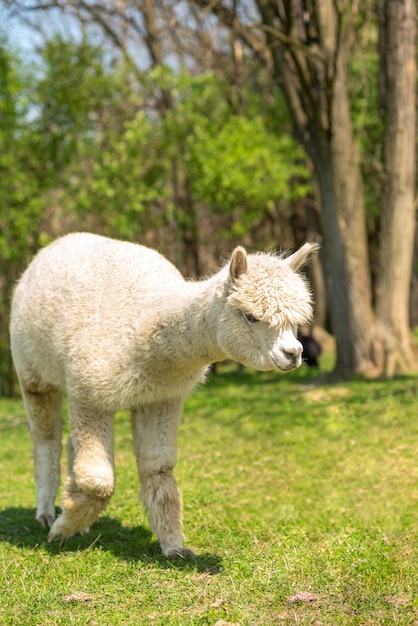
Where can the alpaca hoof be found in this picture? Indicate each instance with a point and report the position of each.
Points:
(46, 520)
(58, 531)
(183, 553)
(58, 538)
(55, 535)
(63, 538)
(61, 531)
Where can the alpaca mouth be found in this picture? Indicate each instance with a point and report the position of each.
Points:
(287, 362)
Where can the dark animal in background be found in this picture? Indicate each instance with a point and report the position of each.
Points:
(311, 349)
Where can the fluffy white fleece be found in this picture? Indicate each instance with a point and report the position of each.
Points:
(115, 325)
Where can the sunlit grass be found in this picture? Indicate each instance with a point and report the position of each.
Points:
(300, 500)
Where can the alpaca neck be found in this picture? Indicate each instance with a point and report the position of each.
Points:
(187, 334)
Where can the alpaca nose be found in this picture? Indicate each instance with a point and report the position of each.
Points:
(293, 350)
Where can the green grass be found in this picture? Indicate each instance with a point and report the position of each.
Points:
(300, 500)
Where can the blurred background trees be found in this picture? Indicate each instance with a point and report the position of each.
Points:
(193, 126)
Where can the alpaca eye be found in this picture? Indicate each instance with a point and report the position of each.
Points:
(250, 318)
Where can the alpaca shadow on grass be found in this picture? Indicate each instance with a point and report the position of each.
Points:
(19, 527)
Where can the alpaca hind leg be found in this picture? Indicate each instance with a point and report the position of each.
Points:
(43, 407)
(155, 430)
(91, 478)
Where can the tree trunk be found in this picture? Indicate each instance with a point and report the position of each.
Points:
(413, 298)
(186, 225)
(346, 275)
(354, 328)
(306, 227)
(397, 30)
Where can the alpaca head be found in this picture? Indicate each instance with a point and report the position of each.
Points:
(266, 300)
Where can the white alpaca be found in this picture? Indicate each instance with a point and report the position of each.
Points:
(115, 325)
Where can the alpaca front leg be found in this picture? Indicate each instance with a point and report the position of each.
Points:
(43, 408)
(155, 431)
(91, 479)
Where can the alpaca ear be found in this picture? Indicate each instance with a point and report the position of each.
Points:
(238, 263)
(298, 258)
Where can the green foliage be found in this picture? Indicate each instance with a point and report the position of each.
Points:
(21, 206)
(243, 170)
(20, 189)
(234, 164)
(121, 181)
(10, 92)
(299, 499)
(92, 140)
(124, 173)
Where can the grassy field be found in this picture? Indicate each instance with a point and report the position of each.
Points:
(300, 500)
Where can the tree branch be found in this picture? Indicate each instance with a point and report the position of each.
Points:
(227, 17)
